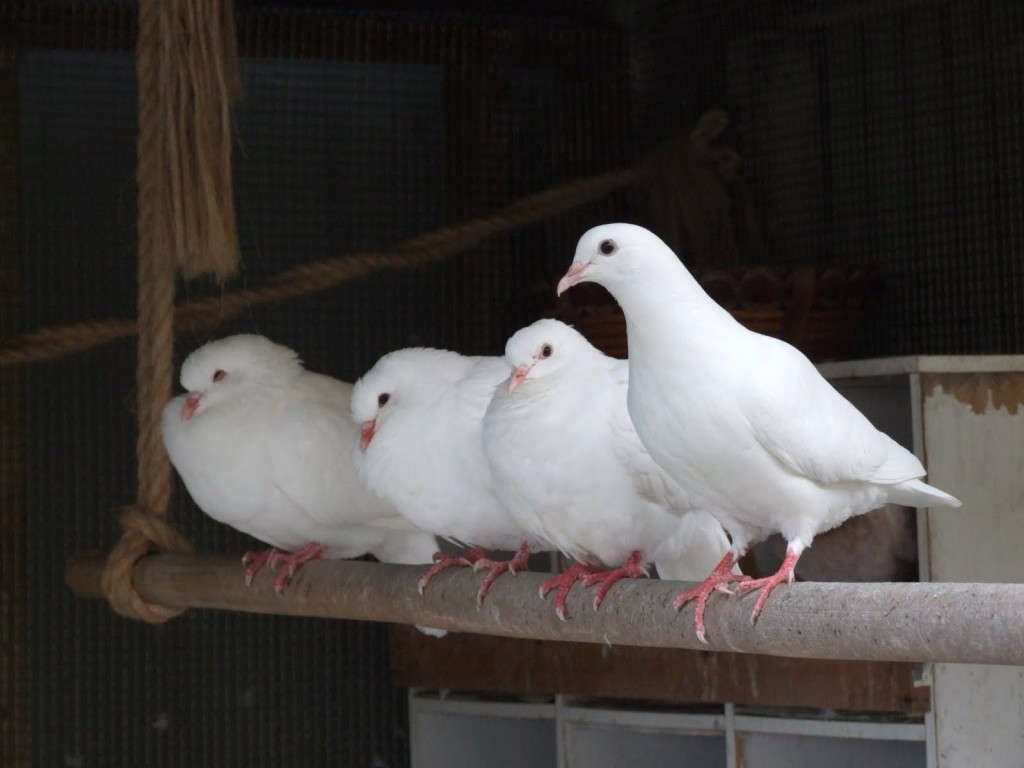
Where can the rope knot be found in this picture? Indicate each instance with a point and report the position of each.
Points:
(144, 533)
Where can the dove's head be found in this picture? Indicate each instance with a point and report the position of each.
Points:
(402, 379)
(544, 348)
(615, 255)
(218, 370)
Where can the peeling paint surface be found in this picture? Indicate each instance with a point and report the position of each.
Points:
(974, 438)
(982, 392)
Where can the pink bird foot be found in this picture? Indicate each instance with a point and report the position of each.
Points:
(769, 583)
(254, 560)
(564, 582)
(718, 580)
(444, 561)
(292, 562)
(633, 569)
(497, 567)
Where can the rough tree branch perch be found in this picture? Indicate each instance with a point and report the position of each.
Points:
(971, 623)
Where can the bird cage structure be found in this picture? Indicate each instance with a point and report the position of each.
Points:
(350, 180)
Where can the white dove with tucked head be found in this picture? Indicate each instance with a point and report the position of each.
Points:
(570, 468)
(264, 446)
(743, 421)
(420, 413)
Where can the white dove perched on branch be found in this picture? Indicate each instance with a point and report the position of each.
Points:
(743, 421)
(420, 412)
(265, 446)
(570, 468)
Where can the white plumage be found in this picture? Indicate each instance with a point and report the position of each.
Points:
(265, 446)
(570, 468)
(743, 421)
(420, 412)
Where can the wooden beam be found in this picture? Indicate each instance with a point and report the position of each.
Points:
(926, 622)
(466, 662)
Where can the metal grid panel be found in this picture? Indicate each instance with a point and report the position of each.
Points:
(212, 689)
(14, 728)
(874, 132)
(340, 146)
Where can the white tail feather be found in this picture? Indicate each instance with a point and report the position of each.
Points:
(914, 493)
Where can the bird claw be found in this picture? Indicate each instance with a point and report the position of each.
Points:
(564, 582)
(292, 562)
(474, 558)
(256, 559)
(280, 583)
(253, 561)
(470, 559)
(767, 585)
(498, 567)
(632, 569)
(724, 587)
(717, 580)
(442, 561)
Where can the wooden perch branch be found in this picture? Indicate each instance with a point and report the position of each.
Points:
(938, 622)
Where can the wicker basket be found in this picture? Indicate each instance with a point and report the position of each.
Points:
(818, 310)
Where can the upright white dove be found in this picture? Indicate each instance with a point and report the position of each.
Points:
(265, 446)
(570, 468)
(420, 413)
(744, 422)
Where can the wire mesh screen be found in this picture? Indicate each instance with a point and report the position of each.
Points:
(354, 133)
(14, 727)
(873, 132)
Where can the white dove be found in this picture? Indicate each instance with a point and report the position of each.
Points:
(743, 421)
(570, 468)
(265, 446)
(420, 413)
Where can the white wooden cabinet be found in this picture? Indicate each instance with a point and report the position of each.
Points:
(968, 428)
(964, 416)
(469, 731)
(578, 733)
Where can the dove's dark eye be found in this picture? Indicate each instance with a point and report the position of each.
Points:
(607, 247)
(219, 374)
(546, 351)
(382, 399)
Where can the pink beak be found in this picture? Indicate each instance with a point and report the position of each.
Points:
(188, 410)
(572, 277)
(366, 431)
(518, 376)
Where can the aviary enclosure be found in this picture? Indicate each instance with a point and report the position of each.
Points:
(849, 173)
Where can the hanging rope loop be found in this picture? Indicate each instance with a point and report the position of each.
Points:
(187, 73)
(143, 533)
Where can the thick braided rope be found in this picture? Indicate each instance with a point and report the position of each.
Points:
(199, 79)
(145, 525)
(59, 341)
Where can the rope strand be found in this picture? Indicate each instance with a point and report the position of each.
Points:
(60, 341)
(186, 219)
